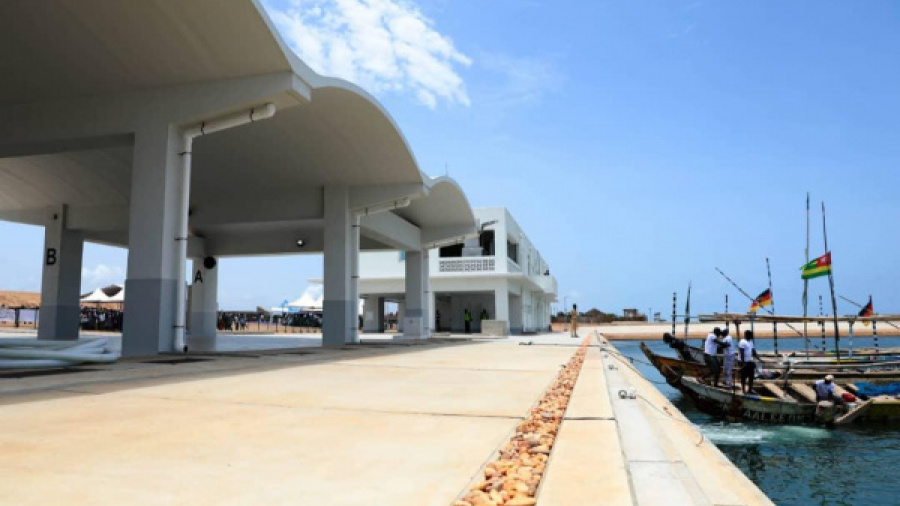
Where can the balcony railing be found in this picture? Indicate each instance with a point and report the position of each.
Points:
(467, 264)
(512, 266)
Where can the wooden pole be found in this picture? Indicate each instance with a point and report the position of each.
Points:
(850, 335)
(687, 312)
(806, 281)
(837, 334)
(822, 324)
(874, 327)
(772, 298)
(674, 302)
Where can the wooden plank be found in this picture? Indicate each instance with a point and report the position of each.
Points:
(860, 410)
(804, 391)
(777, 391)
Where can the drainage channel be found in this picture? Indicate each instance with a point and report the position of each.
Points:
(513, 477)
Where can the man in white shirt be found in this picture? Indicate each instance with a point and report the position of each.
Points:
(710, 350)
(727, 346)
(746, 354)
(825, 390)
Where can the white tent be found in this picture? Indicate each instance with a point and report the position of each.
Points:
(96, 296)
(119, 297)
(306, 302)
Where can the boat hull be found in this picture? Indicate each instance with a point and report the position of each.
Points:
(750, 407)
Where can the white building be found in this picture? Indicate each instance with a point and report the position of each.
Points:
(499, 271)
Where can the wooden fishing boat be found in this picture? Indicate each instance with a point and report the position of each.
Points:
(798, 359)
(672, 369)
(789, 402)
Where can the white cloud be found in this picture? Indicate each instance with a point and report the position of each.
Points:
(102, 275)
(381, 45)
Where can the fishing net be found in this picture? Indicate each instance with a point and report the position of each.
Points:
(872, 390)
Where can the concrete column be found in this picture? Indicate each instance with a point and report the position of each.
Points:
(61, 279)
(501, 302)
(373, 315)
(415, 319)
(204, 303)
(354, 278)
(152, 249)
(401, 312)
(432, 307)
(338, 309)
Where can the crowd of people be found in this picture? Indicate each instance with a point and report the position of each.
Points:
(101, 319)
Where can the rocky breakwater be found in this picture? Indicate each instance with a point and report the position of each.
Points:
(513, 478)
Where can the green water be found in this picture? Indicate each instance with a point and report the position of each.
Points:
(797, 465)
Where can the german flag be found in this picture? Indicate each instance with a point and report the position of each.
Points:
(818, 267)
(866, 311)
(761, 300)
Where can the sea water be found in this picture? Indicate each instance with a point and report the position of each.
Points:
(798, 465)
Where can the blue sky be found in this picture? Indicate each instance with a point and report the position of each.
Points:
(639, 144)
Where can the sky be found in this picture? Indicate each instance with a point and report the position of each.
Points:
(640, 145)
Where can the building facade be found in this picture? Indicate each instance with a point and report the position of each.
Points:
(498, 276)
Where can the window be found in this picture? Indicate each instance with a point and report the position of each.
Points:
(512, 251)
(486, 241)
(451, 251)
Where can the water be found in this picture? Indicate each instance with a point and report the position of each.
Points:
(799, 465)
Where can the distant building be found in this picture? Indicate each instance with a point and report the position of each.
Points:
(631, 314)
(500, 272)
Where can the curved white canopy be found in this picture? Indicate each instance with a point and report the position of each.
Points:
(89, 73)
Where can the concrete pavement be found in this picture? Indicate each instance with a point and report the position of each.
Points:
(398, 424)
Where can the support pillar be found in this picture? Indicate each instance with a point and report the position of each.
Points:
(152, 249)
(353, 337)
(501, 303)
(401, 312)
(204, 303)
(415, 318)
(61, 279)
(373, 315)
(338, 309)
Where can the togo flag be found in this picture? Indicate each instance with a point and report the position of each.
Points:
(818, 267)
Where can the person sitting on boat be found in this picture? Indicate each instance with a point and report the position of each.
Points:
(710, 350)
(727, 348)
(825, 390)
(746, 354)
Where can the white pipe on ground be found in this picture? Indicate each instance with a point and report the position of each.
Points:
(207, 127)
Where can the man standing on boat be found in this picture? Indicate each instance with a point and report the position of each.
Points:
(746, 354)
(710, 350)
(728, 357)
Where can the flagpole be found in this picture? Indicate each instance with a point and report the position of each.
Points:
(822, 324)
(874, 326)
(687, 313)
(806, 281)
(837, 335)
(772, 299)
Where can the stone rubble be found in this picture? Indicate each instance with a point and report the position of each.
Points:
(513, 479)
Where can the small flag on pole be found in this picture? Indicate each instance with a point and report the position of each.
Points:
(761, 300)
(866, 311)
(818, 267)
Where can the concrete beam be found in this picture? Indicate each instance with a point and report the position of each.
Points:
(388, 228)
(436, 235)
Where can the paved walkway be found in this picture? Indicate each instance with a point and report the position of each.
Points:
(399, 424)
